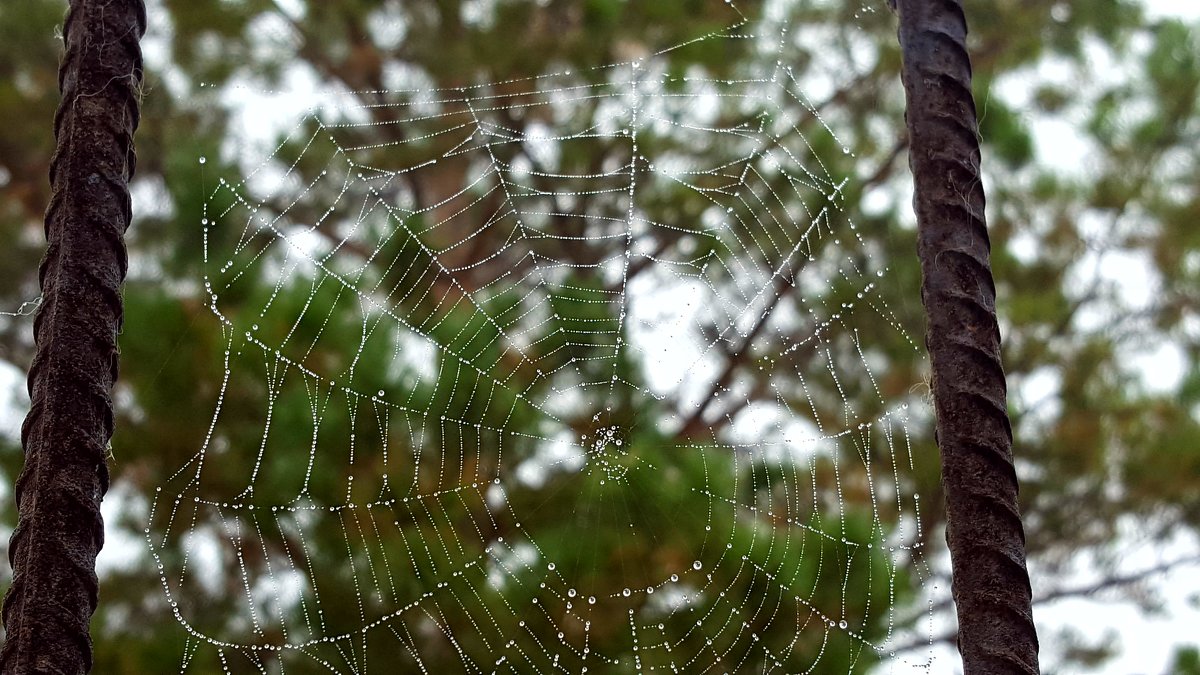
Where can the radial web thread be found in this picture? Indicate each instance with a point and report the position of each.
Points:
(565, 374)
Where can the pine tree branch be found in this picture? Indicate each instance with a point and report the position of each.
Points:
(1064, 593)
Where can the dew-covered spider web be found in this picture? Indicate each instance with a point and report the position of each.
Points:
(572, 373)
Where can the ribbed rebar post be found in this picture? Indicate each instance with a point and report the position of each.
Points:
(983, 525)
(65, 435)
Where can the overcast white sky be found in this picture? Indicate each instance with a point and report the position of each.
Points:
(1184, 9)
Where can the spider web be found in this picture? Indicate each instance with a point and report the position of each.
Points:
(486, 416)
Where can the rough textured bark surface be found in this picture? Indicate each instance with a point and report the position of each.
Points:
(984, 531)
(65, 436)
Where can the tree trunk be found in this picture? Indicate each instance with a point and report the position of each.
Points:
(986, 540)
(65, 436)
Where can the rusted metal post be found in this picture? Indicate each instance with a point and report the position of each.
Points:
(65, 436)
(983, 525)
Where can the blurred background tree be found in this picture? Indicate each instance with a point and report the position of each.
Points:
(1090, 126)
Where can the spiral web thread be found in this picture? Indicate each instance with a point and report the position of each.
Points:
(544, 330)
